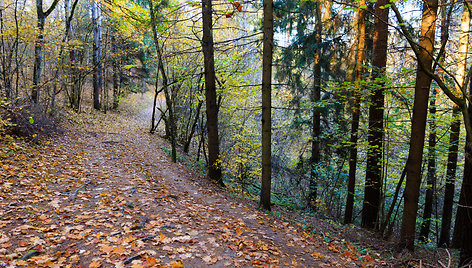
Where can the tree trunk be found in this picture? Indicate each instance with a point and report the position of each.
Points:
(170, 122)
(7, 51)
(267, 103)
(444, 238)
(38, 47)
(154, 103)
(431, 175)
(418, 124)
(192, 128)
(372, 191)
(97, 55)
(38, 52)
(462, 237)
(74, 95)
(214, 162)
(315, 98)
(115, 66)
(356, 112)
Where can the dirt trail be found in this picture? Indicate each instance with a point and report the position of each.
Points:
(104, 194)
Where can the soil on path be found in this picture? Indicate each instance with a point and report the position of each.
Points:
(104, 194)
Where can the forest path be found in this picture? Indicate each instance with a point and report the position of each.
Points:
(104, 194)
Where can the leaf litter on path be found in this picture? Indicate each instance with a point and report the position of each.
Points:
(103, 194)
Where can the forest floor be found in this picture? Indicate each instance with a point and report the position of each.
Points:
(103, 193)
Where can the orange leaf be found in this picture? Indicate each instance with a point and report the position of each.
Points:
(118, 250)
(106, 248)
(95, 264)
(368, 258)
(150, 261)
(177, 264)
(238, 6)
(229, 14)
(238, 231)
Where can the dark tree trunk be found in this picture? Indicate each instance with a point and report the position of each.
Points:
(115, 75)
(192, 128)
(373, 183)
(418, 124)
(97, 55)
(267, 104)
(444, 238)
(214, 162)
(431, 175)
(462, 237)
(73, 79)
(154, 103)
(170, 121)
(386, 222)
(315, 98)
(38, 47)
(356, 113)
(6, 51)
(38, 51)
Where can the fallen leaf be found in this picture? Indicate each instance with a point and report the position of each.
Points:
(95, 264)
(176, 264)
(106, 248)
(118, 250)
(238, 231)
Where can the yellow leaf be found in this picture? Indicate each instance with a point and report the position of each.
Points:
(129, 239)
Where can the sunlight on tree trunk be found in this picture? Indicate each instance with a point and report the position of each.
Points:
(359, 70)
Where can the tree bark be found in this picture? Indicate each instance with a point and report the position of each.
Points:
(315, 98)
(170, 122)
(72, 80)
(373, 183)
(356, 112)
(267, 103)
(451, 169)
(97, 55)
(444, 238)
(38, 47)
(462, 236)
(214, 161)
(115, 76)
(418, 124)
(431, 175)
